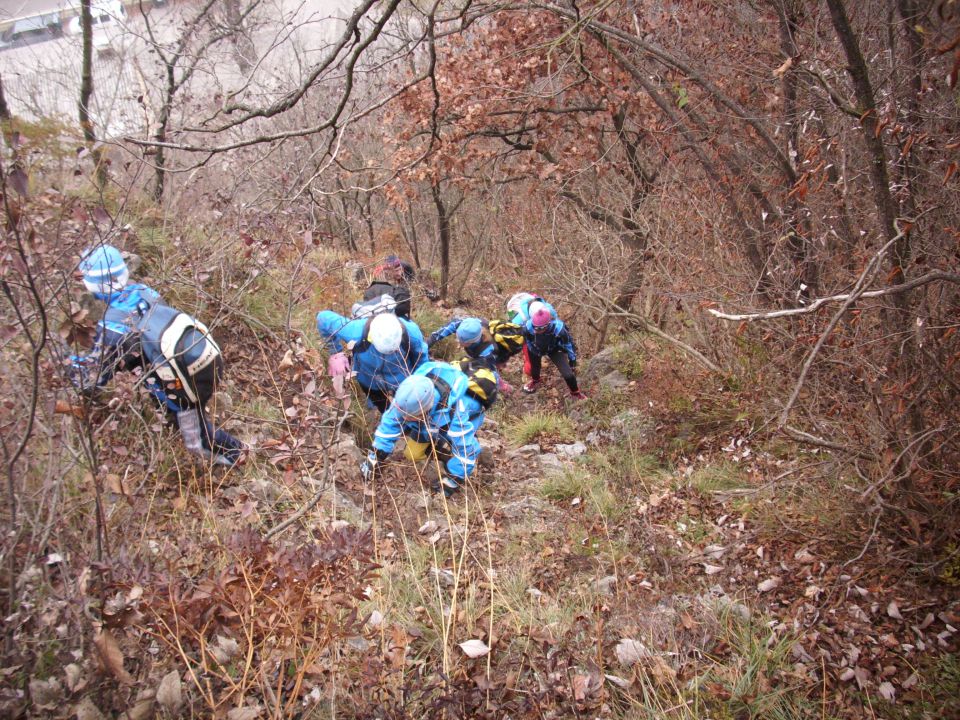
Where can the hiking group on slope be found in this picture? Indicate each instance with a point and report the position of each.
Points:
(436, 407)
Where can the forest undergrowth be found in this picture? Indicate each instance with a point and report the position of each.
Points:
(656, 551)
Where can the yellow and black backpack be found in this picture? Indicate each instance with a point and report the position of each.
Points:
(482, 380)
(508, 337)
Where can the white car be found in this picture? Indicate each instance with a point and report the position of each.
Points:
(107, 18)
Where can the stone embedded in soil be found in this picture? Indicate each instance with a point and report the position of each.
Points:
(526, 508)
(443, 576)
(606, 585)
(527, 451)
(615, 380)
(573, 450)
(550, 461)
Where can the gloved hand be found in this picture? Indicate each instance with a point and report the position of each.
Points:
(82, 379)
(432, 340)
(338, 365)
(446, 484)
(370, 468)
(573, 362)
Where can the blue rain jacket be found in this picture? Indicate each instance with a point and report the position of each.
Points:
(374, 370)
(550, 341)
(120, 319)
(454, 422)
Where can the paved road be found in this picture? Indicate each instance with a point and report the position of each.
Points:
(42, 79)
(21, 8)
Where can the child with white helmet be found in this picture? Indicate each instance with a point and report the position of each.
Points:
(180, 360)
(384, 350)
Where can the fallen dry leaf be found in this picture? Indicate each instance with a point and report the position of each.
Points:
(170, 692)
(769, 584)
(474, 648)
(618, 681)
(111, 657)
(630, 651)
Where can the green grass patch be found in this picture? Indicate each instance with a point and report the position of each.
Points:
(625, 467)
(937, 695)
(631, 359)
(756, 675)
(593, 490)
(264, 303)
(541, 425)
(717, 478)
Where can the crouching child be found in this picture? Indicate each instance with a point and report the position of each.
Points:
(434, 410)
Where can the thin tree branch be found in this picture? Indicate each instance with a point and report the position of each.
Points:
(820, 302)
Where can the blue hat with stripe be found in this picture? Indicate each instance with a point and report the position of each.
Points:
(104, 271)
(416, 396)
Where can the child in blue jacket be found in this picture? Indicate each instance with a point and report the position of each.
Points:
(181, 362)
(547, 336)
(436, 414)
(384, 350)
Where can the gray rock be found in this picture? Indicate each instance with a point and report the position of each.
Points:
(133, 261)
(571, 451)
(333, 498)
(603, 363)
(632, 423)
(528, 507)
(443, 576)
(485, 458)
(265, 490)
(615, 380)
(359, 643)
(606, 585)
(347, 450)
(551, 462)
(527, 451)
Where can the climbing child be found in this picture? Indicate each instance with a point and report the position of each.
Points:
(547, 336)
(384, 350)
(439, 417)
(181, 362)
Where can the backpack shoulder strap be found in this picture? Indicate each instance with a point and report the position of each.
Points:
(442, 387)
(363, 343)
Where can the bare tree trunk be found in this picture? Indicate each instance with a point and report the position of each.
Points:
(244, 52)
(904, 354)
(798, 233)
(443, 231)
(5, 115)
(880, 178)
(160, 160)
(86, 92)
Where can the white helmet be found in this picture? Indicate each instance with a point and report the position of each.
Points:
(386, 333)
(514, 303)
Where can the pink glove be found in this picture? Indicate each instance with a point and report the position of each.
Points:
(338, 365)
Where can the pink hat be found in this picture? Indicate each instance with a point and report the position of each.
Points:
(541, 318)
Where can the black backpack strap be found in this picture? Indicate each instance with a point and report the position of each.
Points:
(442, 387)
(363, 343)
